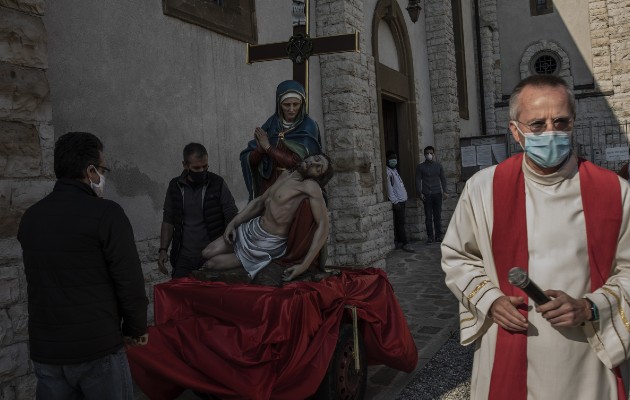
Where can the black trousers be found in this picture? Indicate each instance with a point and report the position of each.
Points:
(433, 214)
(186, 265)
(399, 222)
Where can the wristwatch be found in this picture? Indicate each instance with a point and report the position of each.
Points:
(594, 311)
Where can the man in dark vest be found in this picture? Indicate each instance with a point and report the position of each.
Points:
(197, 208)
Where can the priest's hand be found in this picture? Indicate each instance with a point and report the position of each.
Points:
(563, 310)
(504, 313)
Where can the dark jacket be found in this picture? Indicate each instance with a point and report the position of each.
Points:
(218, 209)
(84, 280)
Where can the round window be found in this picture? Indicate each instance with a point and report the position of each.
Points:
(545, 63)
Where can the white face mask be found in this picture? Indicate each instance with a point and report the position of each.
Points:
(100, 187)
(429, 156)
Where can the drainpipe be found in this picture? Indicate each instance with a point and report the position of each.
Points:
(482, 102)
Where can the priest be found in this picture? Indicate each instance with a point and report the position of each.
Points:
(566, 222)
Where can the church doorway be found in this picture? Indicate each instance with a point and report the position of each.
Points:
(395, 90)
(390, 125)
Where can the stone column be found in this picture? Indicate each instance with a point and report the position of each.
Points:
(443, 78)
(610, 27)
(26, 174)
(491, 60)
(361, 227)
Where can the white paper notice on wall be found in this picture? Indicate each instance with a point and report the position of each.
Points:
(499, 153)
(617, 154)
(469, 156)
(484, 154)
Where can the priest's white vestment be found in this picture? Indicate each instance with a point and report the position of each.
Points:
(562, 363)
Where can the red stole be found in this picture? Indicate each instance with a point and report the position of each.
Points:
(601, 201)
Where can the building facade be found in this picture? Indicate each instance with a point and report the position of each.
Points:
(149, 77)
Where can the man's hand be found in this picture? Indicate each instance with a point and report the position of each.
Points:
(261, 138)
(444, 195)
(162, 260)
(564, 310)
(136, 340)
(422, 197)
(293, 272)
(504, 313)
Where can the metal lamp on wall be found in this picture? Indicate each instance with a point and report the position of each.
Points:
(413, 8)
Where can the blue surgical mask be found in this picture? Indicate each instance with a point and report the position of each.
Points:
(392, 163)
(548, 149)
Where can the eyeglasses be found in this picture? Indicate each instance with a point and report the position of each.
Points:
(559, 124)
(103, 168)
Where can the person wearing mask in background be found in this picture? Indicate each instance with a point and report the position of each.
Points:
(431, 188)
(197, 209)
(398, 196)
(86, 296)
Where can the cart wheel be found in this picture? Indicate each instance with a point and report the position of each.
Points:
(342, 381)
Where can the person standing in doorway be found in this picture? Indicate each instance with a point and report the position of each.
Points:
(431, 188)
(398, 196)
(197, 209)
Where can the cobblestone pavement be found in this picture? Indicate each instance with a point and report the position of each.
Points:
(431, 310)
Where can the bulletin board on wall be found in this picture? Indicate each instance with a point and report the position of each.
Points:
(479, 152)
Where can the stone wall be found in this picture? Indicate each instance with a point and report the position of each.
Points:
(26, 175)
(606, 102)
(443, 76)
(26, 143)
(363, 228)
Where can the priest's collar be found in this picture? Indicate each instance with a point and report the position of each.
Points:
(566, 171)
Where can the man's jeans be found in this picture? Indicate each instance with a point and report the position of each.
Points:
(106, 378)
(433, 215)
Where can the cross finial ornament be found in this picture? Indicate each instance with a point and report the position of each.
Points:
(301, 46)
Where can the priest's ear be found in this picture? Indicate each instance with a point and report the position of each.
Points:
(514, 131)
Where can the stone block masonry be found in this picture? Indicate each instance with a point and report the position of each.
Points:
(26, 175)
(361, 214)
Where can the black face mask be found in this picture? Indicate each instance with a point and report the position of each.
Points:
(197, 177)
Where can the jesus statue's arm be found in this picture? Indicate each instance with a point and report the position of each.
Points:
(253, 209)
(320, 216)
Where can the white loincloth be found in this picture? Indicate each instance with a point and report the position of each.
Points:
(255, 247)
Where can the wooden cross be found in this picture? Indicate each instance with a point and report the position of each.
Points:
(300, 46)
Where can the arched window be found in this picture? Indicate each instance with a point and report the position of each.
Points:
(546, 57)
(545, 63)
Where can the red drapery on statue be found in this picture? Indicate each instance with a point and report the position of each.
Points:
(259, 342)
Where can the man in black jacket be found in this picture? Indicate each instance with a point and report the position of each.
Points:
(86, 295)
(197, 209)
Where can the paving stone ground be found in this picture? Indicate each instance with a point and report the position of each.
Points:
(431, 311)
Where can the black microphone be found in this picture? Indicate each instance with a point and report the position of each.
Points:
(519, 278)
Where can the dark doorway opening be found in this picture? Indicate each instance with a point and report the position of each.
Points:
(390, 126)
